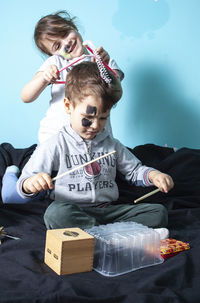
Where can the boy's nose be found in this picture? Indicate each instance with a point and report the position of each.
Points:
(95, 124)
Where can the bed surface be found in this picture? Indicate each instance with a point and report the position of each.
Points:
(25, 278)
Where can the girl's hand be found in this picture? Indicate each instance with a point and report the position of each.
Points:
(37, 183)
(51, 74)
(163, 181)
(104, 56)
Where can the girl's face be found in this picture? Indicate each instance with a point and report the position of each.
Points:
(69, 47)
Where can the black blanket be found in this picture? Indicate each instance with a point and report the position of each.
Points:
(25, 278)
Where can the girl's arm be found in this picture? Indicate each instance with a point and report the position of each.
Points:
(40, 81)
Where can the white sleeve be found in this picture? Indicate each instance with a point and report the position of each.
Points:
(53, 60)
(113, 65)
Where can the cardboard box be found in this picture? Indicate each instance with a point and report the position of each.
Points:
(69, 250)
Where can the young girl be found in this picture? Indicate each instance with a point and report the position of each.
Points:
(56, 36)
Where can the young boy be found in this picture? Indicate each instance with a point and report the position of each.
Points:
(84, 197)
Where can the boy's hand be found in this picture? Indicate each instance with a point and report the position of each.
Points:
(163, 181)
(51, 74)
(104, 56)
(37, 183)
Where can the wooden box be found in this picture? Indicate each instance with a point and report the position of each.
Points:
(69, 250)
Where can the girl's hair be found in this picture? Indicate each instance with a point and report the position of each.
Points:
(53, 25)
(84, 80)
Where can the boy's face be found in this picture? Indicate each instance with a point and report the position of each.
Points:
(87, 118)
(69, 47)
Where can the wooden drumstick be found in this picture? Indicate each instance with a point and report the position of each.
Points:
(147, 195)
(82, 165)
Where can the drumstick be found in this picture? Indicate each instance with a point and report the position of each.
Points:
(82, 165)
(147, 195)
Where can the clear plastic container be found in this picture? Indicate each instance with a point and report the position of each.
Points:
(123, 247)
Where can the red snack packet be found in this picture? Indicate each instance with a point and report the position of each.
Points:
(171, 247)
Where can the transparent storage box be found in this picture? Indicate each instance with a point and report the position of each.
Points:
(123, 247)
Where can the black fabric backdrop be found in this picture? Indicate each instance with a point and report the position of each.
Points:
(25, 278)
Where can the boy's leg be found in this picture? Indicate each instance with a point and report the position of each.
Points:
(63, 215)
(151, 215)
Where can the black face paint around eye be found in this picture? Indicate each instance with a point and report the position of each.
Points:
(86, 122)
(91, 110)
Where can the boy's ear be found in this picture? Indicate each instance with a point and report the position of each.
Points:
(67, 105)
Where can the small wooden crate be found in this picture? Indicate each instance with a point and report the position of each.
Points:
(69, 250)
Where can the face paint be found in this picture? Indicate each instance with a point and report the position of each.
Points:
(64, 52)
(66, 48)
(65, 55)
(91, 110)
(86, 122)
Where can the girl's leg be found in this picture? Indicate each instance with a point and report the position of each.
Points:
(9, 192)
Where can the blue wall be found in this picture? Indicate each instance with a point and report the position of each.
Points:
(155, 42)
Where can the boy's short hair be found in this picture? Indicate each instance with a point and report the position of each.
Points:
(54, 25)
(84, 80)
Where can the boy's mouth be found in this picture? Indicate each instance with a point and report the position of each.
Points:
(93, 134)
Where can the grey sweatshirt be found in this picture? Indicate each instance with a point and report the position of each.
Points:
(89, 185)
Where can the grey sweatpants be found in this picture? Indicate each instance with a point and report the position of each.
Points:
(63, 215)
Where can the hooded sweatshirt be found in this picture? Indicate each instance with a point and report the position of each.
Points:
(90, 185)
